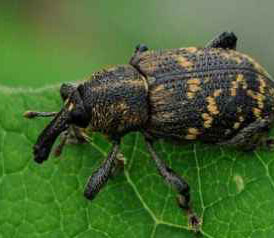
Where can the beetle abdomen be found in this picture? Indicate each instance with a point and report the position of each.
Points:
(207, 94)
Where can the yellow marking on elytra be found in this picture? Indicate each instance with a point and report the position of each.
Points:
(225, 55)
(207, 120)
(191, 50)
(256, 65)
(206, 80)
(258, 97)
(217, 93)
(149, 66)
(192, 133)
(158, 88)
(240, 80)
(238, 59)
(238, 123)
(208, 124)
(190, 137)
(251, 93)
(212, 106)
(193, 87)
(184, 62)
(195, 81)
(262, 85)
(241, 119)
(257, 112)
(190, 95)
(233, 89)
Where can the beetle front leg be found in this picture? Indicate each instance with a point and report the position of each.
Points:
(178, 183)
(102, 174)
(225, 40)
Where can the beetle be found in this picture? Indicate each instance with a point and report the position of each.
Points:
(213, 94)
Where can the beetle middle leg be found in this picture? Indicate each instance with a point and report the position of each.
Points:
(100, 177)
(73, 135)
(177, 182)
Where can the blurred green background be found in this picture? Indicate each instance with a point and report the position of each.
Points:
(44, 42)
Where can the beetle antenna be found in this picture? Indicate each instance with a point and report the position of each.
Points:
(46, 139)
(32, 114)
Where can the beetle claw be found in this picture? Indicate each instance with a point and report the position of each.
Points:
(141, 48)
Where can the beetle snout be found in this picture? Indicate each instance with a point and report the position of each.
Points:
(40, 153)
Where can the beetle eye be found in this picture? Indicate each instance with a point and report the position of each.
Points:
(65, 90)
(79, 118)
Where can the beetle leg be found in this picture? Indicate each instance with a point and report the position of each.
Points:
(177, 182)
(78, 135)
(140, 48)
(32, 114)
(73, 135)
(119, 165)
(225, 40)
(102, 174)
(63, 139)
(251, 136)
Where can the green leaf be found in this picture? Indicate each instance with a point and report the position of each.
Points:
(232, 191)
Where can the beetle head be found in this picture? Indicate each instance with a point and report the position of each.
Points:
(46, 139)
(73, 113)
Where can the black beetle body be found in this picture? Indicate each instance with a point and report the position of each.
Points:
(213, 94)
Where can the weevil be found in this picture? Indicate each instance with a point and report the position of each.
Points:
(213, 94)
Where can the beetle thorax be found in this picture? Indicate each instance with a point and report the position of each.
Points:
(117, 100)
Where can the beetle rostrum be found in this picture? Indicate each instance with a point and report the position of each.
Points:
(213, 94)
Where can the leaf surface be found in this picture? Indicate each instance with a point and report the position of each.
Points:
(232, 191)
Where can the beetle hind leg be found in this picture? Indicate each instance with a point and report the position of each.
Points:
(178, 183)
(140, 48)
(224, 40)
(252, 136)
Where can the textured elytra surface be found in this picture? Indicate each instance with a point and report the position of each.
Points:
(233, 191)
(204, 93)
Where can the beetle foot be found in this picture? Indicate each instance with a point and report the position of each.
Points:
(140, 48)
(194, 221)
